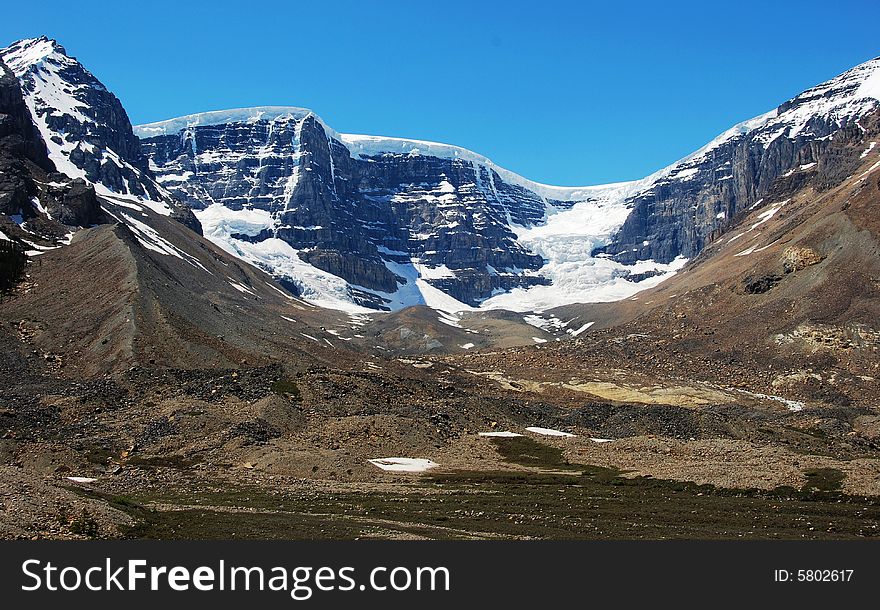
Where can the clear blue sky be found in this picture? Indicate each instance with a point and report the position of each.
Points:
(566, 93)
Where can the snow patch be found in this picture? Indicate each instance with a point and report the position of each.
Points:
(150, 239)
(218, 221)
(575, 333)
(793, 405)
(548, 431)
(242, 288)
(402, 464)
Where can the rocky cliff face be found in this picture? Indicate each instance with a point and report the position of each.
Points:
(682, 210)
(348, 221)
(17, 130)
(366, 216)
(82, 125)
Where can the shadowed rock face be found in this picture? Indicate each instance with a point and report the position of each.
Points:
(19, 143)
(17, 130)
(349, 216)
(26, 172)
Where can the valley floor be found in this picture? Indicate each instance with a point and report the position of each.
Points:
(276, 452)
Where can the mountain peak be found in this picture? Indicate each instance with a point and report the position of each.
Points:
(84, 126)
(23, 54)
(849, 88)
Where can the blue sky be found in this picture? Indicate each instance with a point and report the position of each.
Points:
(566, 93)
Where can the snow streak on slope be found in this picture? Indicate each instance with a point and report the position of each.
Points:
(277, 257)
(417, 290)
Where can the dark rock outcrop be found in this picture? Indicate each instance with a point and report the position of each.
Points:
(761, 284)
(12, 263)
(28, 179)
(21, 148)
(75, 204)
(17, 131)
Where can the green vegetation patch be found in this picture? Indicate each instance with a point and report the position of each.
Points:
(527, 452)
(286, 387)
(823, 479)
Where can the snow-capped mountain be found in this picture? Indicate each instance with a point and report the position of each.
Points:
(120, 278)
(680, 209)
(389, 222)
(38, 205)
(383, 222)
(367, 222)
(84, 127)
